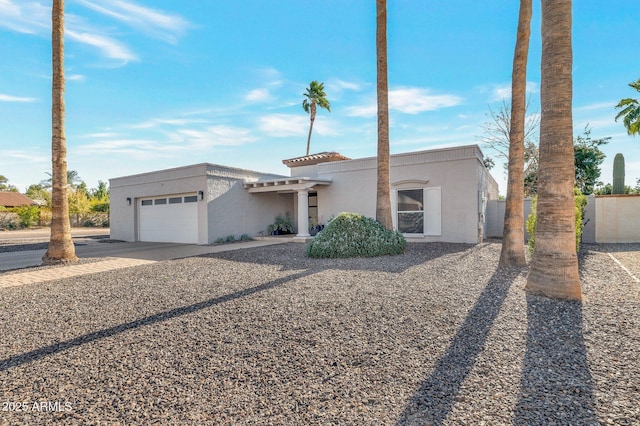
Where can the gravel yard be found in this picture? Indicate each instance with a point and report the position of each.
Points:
(267, 336)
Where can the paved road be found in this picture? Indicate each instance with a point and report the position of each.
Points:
(43, 234)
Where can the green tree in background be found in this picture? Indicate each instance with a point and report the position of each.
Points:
(4, 186)
(630, 111)
(39, 193)
(588, 158)
(72, 179)
(497, 138)
(101, 192)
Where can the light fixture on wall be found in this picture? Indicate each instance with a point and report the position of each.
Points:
(201, 195)
(128, 201)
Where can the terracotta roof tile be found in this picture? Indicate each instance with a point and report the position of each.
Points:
(321, 157)
(15, 199)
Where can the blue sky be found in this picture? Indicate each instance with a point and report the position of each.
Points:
(159, 84)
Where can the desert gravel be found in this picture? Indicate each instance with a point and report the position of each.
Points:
(267, 336)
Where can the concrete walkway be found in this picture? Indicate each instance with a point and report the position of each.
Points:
(118, 256)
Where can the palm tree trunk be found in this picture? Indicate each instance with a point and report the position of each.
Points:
(554, 268)
(512, 254)
(312, 118)
(383, 196)
(61, 249)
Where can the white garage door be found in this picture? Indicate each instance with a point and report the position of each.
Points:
(169, 219)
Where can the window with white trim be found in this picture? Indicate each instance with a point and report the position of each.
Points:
(410, 208)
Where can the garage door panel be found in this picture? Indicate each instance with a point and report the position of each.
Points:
(169, 219)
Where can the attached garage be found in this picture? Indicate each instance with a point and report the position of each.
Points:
(168, 219)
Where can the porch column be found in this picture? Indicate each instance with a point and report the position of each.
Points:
(303, 213)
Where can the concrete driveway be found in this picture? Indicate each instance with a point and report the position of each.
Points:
(89, 245)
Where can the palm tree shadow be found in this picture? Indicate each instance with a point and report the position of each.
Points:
(436, 396)
(37, 354)
(556, 386)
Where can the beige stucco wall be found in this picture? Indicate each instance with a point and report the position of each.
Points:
(226, 207)
(234, 211)
(123, 217)
(457, 187)
(458, 172)
(617, 218)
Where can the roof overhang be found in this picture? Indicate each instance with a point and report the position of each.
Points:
(292, 184)
(309, 160)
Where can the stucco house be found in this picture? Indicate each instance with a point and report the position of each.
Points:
(437, 195)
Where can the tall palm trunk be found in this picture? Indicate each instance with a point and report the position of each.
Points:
(383, 197)
(312, 118)
(61, 249)
(554, 268)
(513, 237)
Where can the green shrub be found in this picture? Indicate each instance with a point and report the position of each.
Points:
(531, 223)
(230, 238)
(28, 215)
(99, 206)
(580, 204)
(219, 240)
(245, 237)
(353, 235)
(282, 225)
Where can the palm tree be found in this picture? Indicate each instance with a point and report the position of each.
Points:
(315, 97)
(630, 111)
(61, 249)
(513, 237)
(72, 179)
(383, 196)
(554, 267)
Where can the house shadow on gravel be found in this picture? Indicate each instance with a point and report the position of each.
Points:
(437, 395)
(292, 256)
(556, 386)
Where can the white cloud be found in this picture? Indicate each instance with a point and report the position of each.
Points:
(601, 105)
(339, 86)
(272, 76)
(99, 135)
(533, 87)
(408, 100)
(257, 95)
(324, 126)
(131, 148)
(368, 110)
(413, 100)
(9, 98)
(283, 125)
(32, 17)
(27, 156)
(24, 17)
(503, 92)
(153, 22)
(212, 136)
(75, 77)
(109, 47)
(158, 122)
